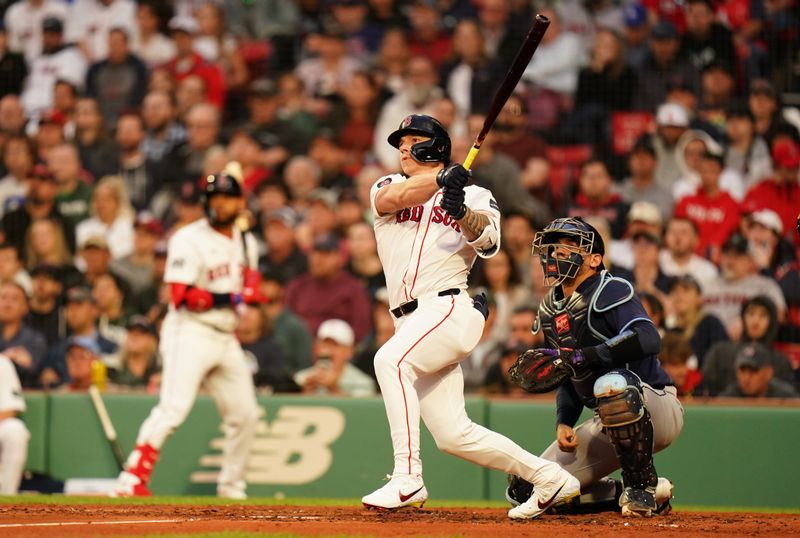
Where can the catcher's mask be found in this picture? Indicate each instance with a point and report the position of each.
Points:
(435, 150)
(587, 241)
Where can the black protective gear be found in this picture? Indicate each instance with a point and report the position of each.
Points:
(586, 237)
(435, 150)
(454, 176)
(453, 202)
(620, 405)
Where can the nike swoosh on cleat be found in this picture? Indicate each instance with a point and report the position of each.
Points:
(404, 498)
(544, 505)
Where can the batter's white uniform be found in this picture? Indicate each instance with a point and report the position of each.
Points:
(201, 347)
(423, 252)
(14, 435)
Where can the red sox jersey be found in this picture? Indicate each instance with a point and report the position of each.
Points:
(10, 390)
(200, 256)
(422, 249)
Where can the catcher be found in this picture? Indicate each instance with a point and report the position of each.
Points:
(601, 354)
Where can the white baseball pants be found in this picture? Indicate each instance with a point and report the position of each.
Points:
(194, 353)
(419, 374)
(14, 438)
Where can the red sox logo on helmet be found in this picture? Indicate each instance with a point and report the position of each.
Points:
(406, 122)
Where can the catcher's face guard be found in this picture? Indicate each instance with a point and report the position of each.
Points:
(561, 259)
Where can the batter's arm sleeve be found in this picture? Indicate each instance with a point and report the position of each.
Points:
(481, 201)
(568, 405)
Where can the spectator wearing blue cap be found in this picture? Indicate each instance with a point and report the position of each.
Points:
(635, 34)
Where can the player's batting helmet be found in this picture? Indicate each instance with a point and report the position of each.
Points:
(221, 183)
(435, 150)
(588, 241)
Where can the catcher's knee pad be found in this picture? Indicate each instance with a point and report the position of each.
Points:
(620, 405)
(619, 398)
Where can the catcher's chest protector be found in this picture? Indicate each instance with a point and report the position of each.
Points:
(565, 324)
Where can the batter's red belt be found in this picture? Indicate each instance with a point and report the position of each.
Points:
(410, 306)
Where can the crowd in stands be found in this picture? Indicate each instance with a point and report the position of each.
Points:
(666, 124)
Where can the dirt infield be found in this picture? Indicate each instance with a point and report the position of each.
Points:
(24, 520)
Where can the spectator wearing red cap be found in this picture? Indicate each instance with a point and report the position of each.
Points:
(50, 133)
(781, 192)
(715, 213)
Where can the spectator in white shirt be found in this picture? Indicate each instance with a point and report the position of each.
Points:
(24, 24)
(57, 61)
(112, 217)
(90, 21)
(679, 259)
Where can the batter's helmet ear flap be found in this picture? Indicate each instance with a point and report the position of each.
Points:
(435, 150)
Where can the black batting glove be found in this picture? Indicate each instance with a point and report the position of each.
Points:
(480, 304)
(453, 202)
(454, 176)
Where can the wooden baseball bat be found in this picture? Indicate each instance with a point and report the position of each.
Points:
(108, 426)
(524, 55)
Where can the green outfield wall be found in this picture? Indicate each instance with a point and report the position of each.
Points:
(336, 447)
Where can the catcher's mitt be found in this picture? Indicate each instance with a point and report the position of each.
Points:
(540, 370)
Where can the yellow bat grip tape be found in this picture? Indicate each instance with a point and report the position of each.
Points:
(473, 152)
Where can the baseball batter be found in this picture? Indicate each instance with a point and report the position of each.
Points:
(602, 354)
(209, 274)
(430, 226)
(14, 435)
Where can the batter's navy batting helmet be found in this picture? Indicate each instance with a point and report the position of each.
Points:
(220, 183)
(435, 150)
(586, 237)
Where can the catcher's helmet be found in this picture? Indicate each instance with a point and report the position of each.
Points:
(435, 150)
(586, 237)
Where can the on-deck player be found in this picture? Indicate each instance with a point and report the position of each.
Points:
(209, 276)
(430, 227)
(14, 435)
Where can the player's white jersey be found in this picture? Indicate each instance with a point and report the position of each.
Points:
(10, 389)
(198, 255)
(422, 249)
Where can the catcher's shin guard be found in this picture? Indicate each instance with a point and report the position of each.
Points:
(628, 425)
